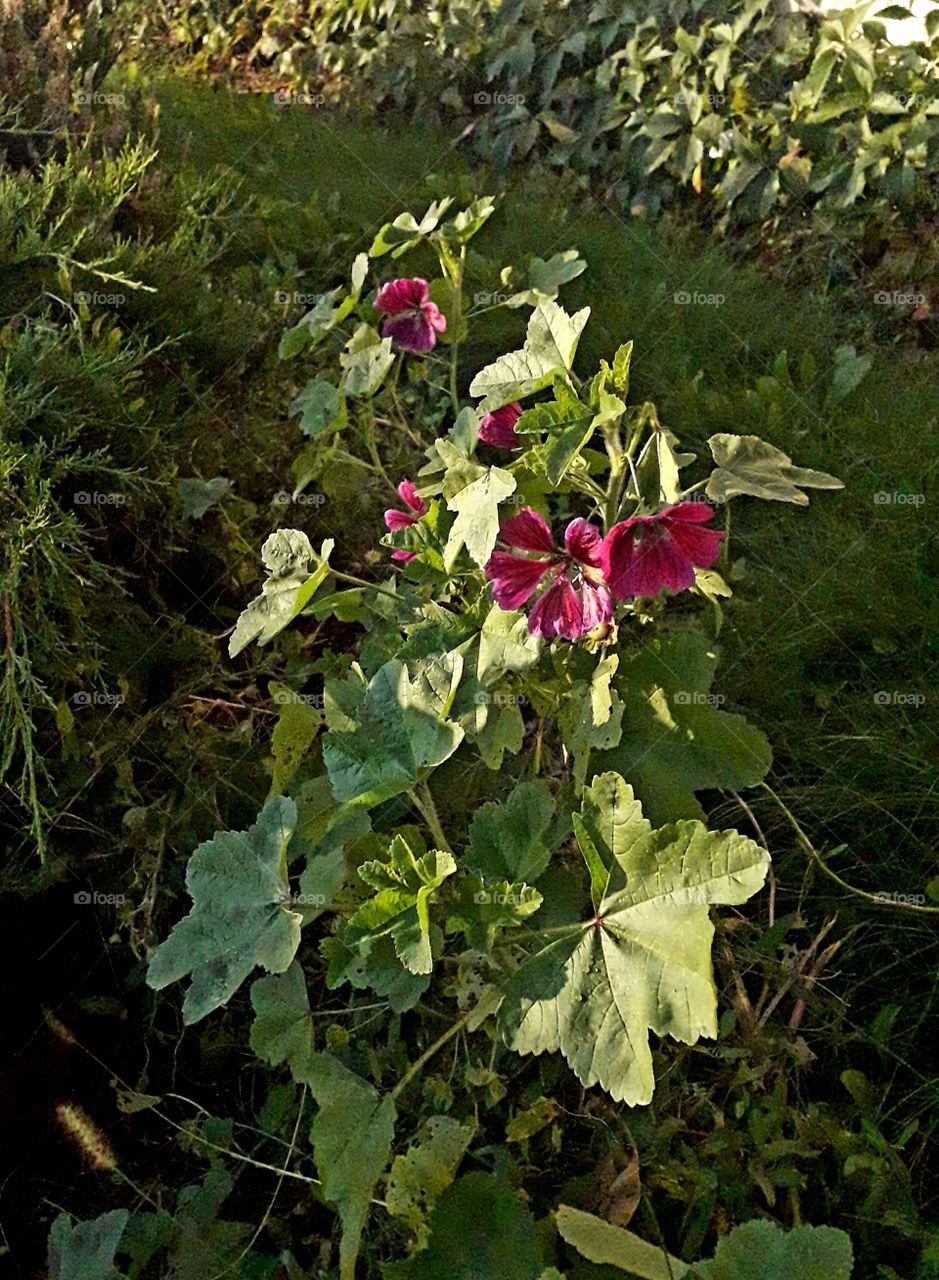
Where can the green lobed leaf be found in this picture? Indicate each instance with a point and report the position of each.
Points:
(86, 1250)
(401, 908)
(352, 1136)
(511, 840)
(199, 496)
(748, 465)
(550, 347)
(282, 1030)
(763, 1251)
(476, 526)
(367, 358)
(373, 965)
(675, 738)
(238, 885)
(313, 327)
(319, 406)
(402, 732)
(478, 1229)
(419, 1176)
(297, 725)
(295, 574)
(595, 989)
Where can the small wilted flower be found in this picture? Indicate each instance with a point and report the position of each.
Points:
(498, 428)
(414, 321)
(395, 519)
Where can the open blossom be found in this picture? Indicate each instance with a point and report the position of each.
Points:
(646, 553)
(395, 519)
(576, 600)
(498, 428)
(414, 321)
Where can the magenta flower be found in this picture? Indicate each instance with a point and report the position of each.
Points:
(498, 428)
(642, 555)
(415, 320)
(395, 519)
(577, 599)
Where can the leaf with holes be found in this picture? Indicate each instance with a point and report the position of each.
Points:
(239, 920)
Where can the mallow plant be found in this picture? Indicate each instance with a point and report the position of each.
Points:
(490, 806)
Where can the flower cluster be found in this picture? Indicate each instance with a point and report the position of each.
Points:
(638, 557)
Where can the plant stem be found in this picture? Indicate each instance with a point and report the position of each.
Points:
(423, 802)
(429, 1053)
(823, 866)
(360, 582)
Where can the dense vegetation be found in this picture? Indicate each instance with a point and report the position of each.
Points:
(372, 779)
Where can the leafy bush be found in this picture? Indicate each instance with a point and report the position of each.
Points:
(568, 913)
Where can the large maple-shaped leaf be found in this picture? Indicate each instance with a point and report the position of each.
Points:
(401, 907)
(643, 961)
(402, 730)
(352, 1136)
(550, 346)
(747, 464)
(238, 885)
(675, 738)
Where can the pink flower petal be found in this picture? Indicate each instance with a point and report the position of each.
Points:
(528, 531)
(597, 606)
(435, 317)
(558, 612)
(407, 492)
(402, 295)
(583, 541)
(404, 555)
(514, 578)
(498, 428)
(395, 519)
(411, 331)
